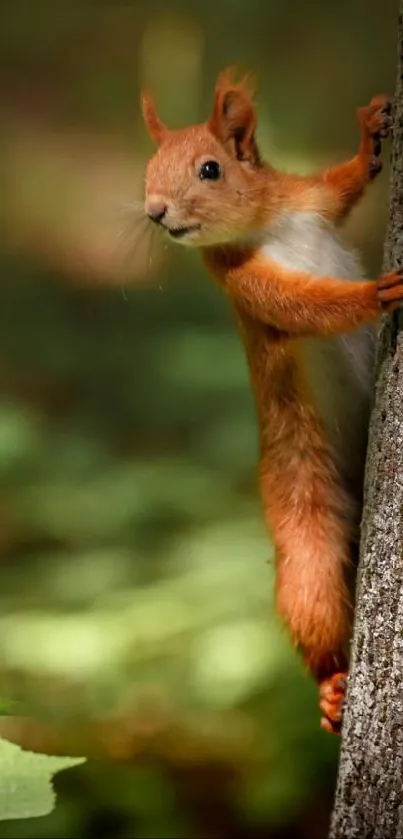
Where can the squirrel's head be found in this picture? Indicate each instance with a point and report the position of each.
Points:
(205, 182)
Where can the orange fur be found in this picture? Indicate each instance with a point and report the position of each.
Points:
(234, 118)
(156, 129)
(347, 181)
(295, 302)
(305, 503)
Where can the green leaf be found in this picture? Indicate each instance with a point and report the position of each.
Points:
(26, 789)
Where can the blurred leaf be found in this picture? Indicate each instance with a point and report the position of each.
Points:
(232, 661)
(26, 790)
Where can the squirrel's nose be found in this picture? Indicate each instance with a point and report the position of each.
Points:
(156, 210)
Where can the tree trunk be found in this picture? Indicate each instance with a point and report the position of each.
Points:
(369, 795)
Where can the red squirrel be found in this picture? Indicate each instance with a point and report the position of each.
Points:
(307, 318)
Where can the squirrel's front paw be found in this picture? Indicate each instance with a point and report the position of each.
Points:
(390, 290)
(375, 121)
(332, 692)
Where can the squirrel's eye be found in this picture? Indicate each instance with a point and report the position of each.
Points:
(210, 171)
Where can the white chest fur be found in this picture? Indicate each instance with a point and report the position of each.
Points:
(338, 368)
(304, 242)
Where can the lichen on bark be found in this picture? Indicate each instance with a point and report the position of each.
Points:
(369, 794)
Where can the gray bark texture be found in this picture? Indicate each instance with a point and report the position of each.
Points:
(369, 794)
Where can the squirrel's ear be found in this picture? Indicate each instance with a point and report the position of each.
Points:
(233, 120)
(156, 129)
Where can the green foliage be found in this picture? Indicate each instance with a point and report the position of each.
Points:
(146, 578)
(26, 789)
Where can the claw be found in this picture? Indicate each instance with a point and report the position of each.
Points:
(375, 166)
(376, 122)
(388, 104)
(390, 290)
(377, 144)
(332, 693)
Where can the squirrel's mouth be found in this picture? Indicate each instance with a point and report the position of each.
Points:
(180, 232)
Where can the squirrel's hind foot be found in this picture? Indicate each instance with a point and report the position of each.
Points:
(332, 693)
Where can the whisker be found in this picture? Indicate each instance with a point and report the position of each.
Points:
(131, 250)
(144, 232)
(151, 241)
(129, 229)
(132, 207)
(137, 233)
(134, 226)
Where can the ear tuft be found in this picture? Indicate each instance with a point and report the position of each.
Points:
(233, 120)
(156, 129)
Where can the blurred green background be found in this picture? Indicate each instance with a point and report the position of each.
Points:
(137, 623)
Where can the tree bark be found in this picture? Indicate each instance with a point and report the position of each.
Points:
(369, 794)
